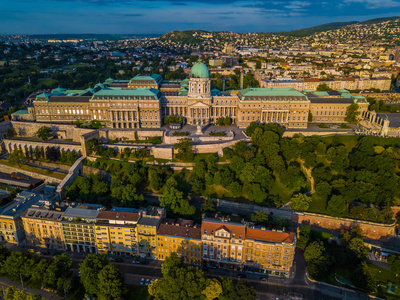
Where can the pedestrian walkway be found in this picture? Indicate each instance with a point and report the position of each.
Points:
(5, 282)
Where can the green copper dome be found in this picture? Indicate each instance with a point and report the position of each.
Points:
(199, 70)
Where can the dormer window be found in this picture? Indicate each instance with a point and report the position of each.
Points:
(205, 231)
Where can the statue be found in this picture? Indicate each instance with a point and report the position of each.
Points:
(199, 127)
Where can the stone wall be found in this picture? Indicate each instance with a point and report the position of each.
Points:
(46, 178)
(108, 134)
(169, 139)
(248, 209)
(75, 171)
(162, 152)
(29, 129)
(369, 229)
(3, 128)
(290, 134)
(386, 97)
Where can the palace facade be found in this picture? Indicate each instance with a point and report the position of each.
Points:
(145, 100)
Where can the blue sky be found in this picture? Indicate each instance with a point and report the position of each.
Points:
(160, 16)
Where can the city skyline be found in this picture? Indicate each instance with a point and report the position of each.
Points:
(158, 17)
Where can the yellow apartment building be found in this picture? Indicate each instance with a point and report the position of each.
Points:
(182, 237)
(11, 226)
(116, 232)
(269, 252)
(43, 228)
(147, 231)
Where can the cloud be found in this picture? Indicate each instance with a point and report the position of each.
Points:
(374, 4)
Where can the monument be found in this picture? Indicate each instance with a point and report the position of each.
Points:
(199, 132)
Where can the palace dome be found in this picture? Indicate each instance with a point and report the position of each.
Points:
(199, 70)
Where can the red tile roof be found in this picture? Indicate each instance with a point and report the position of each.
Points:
(211, 224)
(270, 236)
(115, 215)
(179, 231)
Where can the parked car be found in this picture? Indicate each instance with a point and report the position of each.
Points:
(136, 261)
(119, 259)
(147, 281)
(142, 281)
(111, 258)
(263, 278)
(241, 276)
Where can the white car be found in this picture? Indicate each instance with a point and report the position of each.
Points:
(142, 281)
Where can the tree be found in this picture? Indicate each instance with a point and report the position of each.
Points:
(257, 194)
(185, 151)
(220, 121)
(317, 263)
(110, 284)
(213, 289)
(337, 206)
(364, 278)
(241, 290)
(259, 217)
(172, 199)
(227, 121)
(59, 268)
(179, 282)
(394, 263)
(358, 249)
(10, 133)
(17, 158)
(323, 87)
(208, 204)
(171, 119)
(352, 113)
(90, 269)
(44, 133)
(300, 202)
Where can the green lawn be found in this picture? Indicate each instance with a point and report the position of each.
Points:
(137, 292)
(383, 277)
(36, 170)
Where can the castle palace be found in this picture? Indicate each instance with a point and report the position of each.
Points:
(145, 100)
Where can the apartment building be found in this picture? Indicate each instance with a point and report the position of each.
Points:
(242, 246)
(268, 251)
(116, 232)
(43, 227)
(182, 237)
(78, 227)
(11, 225)
(147, 227)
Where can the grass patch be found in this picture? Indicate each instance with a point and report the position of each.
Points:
(137, 292)
(323, 126)
(180, 133)
(317, 206)
(345, 126)
(215, 133)
(383, 277)
(151, 140)
(278, 188)
(35, 170)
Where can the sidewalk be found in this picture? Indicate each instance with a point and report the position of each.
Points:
(4, 282)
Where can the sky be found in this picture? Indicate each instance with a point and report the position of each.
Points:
(161, 16)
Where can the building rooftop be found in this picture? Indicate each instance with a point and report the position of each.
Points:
(23, 181)
(270, 236)
(179, 231)
(118, 216)
(149, 221)
(274, 92)
(211, 225)
(127, 92)
(21, 203)
(39, 213)
(84, 212)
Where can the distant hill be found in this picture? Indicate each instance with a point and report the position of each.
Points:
(317, 29)
(380, 20)
(88, 36)
(187, 37)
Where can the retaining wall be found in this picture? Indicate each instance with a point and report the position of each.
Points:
(370, 230)
(46, 178)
